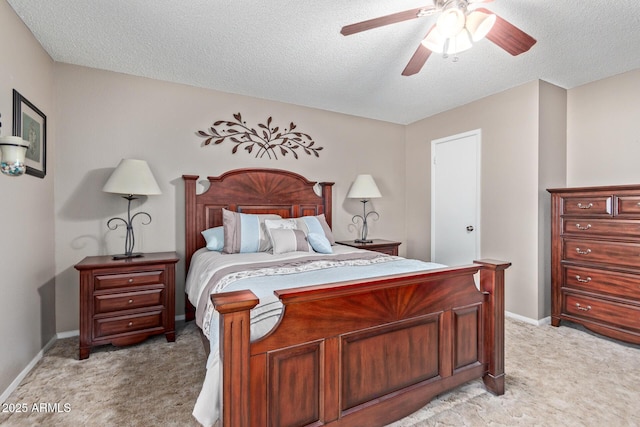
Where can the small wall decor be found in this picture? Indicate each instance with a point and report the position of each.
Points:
(31, 124)
(268, 140)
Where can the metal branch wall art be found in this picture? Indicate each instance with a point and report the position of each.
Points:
(267, 140)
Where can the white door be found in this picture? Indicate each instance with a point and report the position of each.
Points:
(455, 199)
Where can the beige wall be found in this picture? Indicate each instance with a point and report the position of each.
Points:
(509, 187)
(603, 132)
(552, 173)
(105, 116)
(27, 292)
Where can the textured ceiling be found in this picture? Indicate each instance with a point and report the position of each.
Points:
(292, 51)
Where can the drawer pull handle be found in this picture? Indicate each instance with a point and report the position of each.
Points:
(587, 252)
(581, 280)
(130, 280)
(581, 206)
(583, 227)
(131, 301)
(580, 307)
(131, 323)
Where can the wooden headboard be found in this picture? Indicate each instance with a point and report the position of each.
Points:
(255, 191)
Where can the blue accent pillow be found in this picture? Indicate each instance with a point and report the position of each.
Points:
(214, 238)
(319, 243)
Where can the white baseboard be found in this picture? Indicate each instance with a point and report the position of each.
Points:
(16, 382)
(68, 334)
(540, 322)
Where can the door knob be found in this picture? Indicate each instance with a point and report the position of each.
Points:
(469, 227)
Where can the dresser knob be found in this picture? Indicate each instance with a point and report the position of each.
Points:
(583, 227)
(130, 301)
(130, 280)
(580, 307)
(580, 279)
(588, 251)
(588, 206)
(130, 324)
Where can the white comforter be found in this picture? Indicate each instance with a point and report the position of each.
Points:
(293, 269)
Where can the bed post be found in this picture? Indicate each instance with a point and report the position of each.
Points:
(190, 241)
(235, 352)
(492, 283)
(327, 201)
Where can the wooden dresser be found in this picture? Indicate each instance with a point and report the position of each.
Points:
(595, 253)
(123, 302)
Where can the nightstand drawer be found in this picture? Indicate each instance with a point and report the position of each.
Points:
(126, 301)
(114, 281)
(118, 325)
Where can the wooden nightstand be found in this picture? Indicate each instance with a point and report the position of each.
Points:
(384, 246)
(123, 302)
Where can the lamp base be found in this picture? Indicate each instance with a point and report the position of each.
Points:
(125, 256)
(363, 241)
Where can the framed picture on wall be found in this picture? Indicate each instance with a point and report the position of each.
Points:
(30, 124)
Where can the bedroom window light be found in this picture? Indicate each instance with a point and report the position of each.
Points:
(131, 178)
(364, 188)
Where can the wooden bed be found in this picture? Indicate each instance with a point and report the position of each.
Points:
(359, 353)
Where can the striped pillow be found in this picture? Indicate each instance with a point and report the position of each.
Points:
(245, 232)
(289, 240)
(315, 224)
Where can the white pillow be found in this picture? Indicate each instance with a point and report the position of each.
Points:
(286, 240)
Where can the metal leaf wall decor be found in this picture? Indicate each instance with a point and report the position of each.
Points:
(267, 140)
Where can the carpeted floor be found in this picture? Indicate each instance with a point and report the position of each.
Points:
(555, 377)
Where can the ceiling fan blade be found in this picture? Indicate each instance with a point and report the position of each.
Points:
(358, 27)
(418, 59)
(509, 37)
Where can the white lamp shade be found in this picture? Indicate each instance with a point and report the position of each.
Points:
(437, 43)
(364, 187)
(450, 22)
(132, 177)
(479, 24)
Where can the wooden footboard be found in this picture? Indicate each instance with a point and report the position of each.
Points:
(363, 353)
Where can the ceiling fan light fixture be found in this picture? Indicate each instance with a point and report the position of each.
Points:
(434, 41)
(479, 24)
(437, 43)
(450, 22)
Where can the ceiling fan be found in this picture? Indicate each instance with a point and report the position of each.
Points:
(459, 24)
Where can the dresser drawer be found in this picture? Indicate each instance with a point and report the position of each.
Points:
(601, 227)
(106, 303)
(621, 315)
(118, 325)
(628, 205)
(587, 205)
(115, 281)
(591, 251)
(603, 282)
